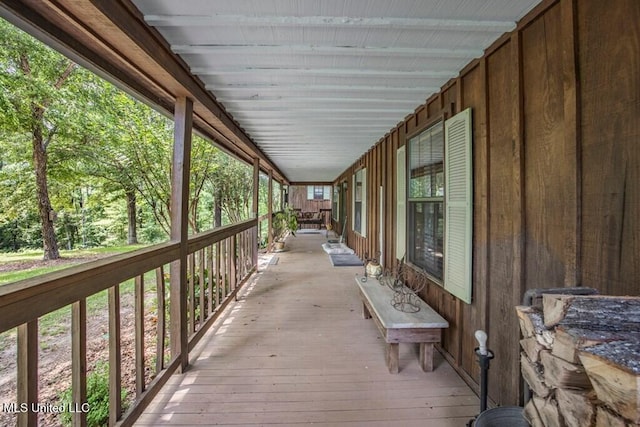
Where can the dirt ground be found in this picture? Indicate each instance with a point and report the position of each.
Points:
(55, 349)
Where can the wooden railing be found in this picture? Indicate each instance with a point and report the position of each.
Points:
(218, 263)
(263, 228)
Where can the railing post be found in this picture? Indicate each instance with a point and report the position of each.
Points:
(79, 360)
(27, 392)
(139, 334)
(183, 121)
(115, 356)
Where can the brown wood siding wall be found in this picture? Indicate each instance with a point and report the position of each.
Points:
(609, 42)
(556, 173)
(298, 200)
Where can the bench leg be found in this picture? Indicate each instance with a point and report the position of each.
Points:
(426, 356)
(366, 314)
(393, 358)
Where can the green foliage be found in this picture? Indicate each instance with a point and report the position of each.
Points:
(104, 149)
(284, 222)
(97, 397)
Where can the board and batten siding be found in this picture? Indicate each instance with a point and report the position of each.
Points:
(556, 174)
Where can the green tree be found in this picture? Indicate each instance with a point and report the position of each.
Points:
(39, 102)
(231, 186)
(130, 150)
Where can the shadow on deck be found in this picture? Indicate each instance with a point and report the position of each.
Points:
(295, 350)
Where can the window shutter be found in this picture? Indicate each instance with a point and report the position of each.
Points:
(326, 193)
(310, 193)
(401, 210)
(458, 206)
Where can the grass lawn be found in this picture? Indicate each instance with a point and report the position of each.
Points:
(32, 263)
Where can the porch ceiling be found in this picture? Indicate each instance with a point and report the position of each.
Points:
(316, 83)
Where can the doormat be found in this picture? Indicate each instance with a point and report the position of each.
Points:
(345, 260)
(307, 231)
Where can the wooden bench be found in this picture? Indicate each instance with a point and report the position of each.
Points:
(424, 327)
(310, 218)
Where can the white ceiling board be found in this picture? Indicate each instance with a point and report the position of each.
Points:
(316, 83)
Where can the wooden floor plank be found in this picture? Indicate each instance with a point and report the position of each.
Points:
(295, 350)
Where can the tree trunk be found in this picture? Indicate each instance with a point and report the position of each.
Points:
(217, 209)
(45, 210)
(132, 235)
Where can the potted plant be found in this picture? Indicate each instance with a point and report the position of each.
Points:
(284, 223)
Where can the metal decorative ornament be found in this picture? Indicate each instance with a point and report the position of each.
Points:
(405, 292)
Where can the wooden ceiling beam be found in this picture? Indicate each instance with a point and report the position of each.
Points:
(329, 21)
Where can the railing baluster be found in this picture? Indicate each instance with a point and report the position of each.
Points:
(228, 257)
(233, 242)
(79, 360)
(192, 295)
(218, 275)
(254, 249)
(223, 269)
(203, 288)
(139, 338)
(210, 280)
(115, 356)
(161, 324)
(27, 392)
(243, 254)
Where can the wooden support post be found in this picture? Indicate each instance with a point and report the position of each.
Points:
(270, 211)
(255, 209)
(256, 188)
(139, 333)
(183, 120)
(79, 360)
(27, 392)
(115, 357)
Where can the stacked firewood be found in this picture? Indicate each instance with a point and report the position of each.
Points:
(581, 360)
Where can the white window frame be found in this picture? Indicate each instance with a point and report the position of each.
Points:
(360, 195)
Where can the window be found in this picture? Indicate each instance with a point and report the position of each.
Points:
(318, 192)
(426, 200)
(360, 202)
(440, 196)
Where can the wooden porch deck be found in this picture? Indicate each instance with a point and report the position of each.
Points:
(295, 350)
